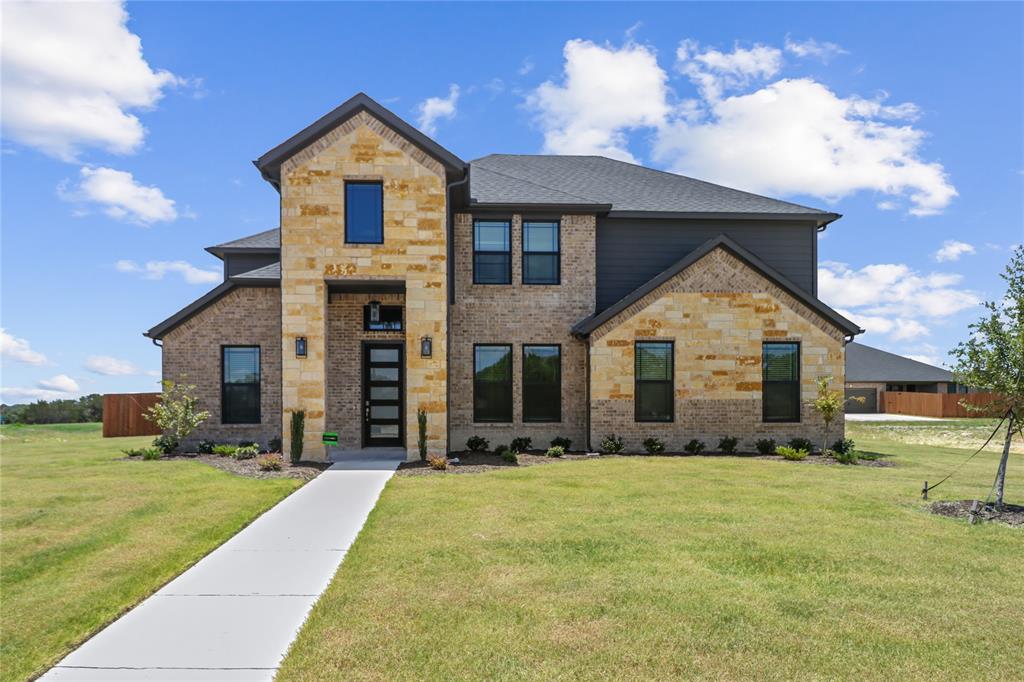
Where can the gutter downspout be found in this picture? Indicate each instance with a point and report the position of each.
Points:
(450, 215)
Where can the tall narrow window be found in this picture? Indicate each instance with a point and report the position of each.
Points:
(492, 254)
(654, 381)
(780, 383)
(240, 388)
(364, 212)
(540, 253)
(542, 383)
(492, 383)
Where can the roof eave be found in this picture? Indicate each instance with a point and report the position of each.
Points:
(568, 208)
(819, 219)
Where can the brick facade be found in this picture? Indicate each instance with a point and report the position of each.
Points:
(249, 316)
(520, 314)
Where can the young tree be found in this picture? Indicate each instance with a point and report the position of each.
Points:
(992, 359)
(176, 413)
(829, 404)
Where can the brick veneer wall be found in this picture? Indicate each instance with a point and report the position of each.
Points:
(718, 311)
(520, 314)
(345, 336)
(247, 316)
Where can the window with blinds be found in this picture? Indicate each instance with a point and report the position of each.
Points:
(540, 253)
(780, 382)
(492, 252)
(654, 388)
(240, 387)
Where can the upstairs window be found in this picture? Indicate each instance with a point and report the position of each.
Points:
(654, 389)
(542, 383)
(780, 383)
(364, 212)
(540, 253)
(492, 254)
(240, 388)
(492, 383)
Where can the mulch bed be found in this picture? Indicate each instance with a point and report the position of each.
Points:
(1012, 514)
(247, 467)
(828, 461)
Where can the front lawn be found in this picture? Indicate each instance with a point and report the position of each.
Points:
(85, 535)
(690, 567)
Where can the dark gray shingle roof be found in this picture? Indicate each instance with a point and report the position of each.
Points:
(267, 273)
(626, 187)
(268, 239)
(864, 363)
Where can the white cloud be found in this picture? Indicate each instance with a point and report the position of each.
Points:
(605, 92)
(72, 73)
(19, 350)
(714, 72)
(11, 393)
(433, 109)
(61, 383)
(121, 197)
(158, 269)
(110, 366)
(952, 250)
(824, 51)
(526, 67)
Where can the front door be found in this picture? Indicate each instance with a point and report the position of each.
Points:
(382, 394)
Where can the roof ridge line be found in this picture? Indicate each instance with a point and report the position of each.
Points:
(537, 184)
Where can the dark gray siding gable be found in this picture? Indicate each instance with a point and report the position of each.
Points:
(630, 251)
(237, 263)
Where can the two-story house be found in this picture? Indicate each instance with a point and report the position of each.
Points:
(514, 295)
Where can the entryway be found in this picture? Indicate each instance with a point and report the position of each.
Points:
(383, 394)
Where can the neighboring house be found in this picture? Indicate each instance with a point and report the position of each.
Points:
(870, 371)
(538, 296)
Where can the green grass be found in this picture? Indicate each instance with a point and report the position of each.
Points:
(85, 536)
(656, 568)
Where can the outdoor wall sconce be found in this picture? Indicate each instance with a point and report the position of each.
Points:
(374, 311)
(300, 346)
(426, 347)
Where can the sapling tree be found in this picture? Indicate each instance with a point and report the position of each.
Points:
(176, 413)
(829, 404)
(992, 359)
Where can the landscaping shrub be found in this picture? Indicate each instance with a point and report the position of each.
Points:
(843, 445)
(802, 444)
(205, 447)
(165, 444)
(653, 446)
(765, 446)
(727, 444)
(510, 456)
(246, 451)
(439, 463)
(847, 457)
(176, 414)
(612, 444)
(555, 451)
(521, 444)
(269, 462)
(248, 444)
(477, 444)
(274, 445)
(224, 450)
(499, 449)
(421, 437)
(137, 452)
(694, 447)
(298, 432)
(561, 442)
(151, 453)
(792, 454)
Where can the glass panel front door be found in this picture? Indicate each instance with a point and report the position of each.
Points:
(382, 394)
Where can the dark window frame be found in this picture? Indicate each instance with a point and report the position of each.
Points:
(796, 383)
(507, 253)
(367, 323)
(557, 253)
(364, 182)
(258, 384)
(558, 383)
(511, 376)
(671, 381)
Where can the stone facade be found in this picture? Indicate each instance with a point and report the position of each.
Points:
(520, 314)
(247, 316)
(313, 251)
(718, 311)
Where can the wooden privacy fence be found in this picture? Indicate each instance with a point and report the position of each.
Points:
(122, 414)
(934, 404)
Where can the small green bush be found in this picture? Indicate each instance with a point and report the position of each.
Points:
(136, 452)
(654, 446)
(870, 456)
(151, 453)
(269, 462)
(246, 451)
(801, 444)
(561, 442)
(847, 457)
(843, 445)
(165, 444)
(694, 447)
(274, 445)
(477, 443)
(727, 444)
(499, 449)
(224, 450)
(510, 456)
(792, 454)
(521, 444)
(612, 444)
(765, 446)
(205, 447)
(248, 444)
(555, 451)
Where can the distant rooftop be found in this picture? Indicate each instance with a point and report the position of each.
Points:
(864, 363)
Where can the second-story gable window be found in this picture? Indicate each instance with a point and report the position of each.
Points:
(364, 212)
(540, 252)
(492, 252)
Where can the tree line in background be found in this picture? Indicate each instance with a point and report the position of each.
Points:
(88, 408)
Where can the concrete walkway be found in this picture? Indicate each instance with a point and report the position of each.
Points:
(234, 614)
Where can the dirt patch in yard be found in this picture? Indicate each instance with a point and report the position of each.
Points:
(248, 467)
(1012, 514)
(828, 461)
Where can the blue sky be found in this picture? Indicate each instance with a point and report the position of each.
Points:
(121, 163)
